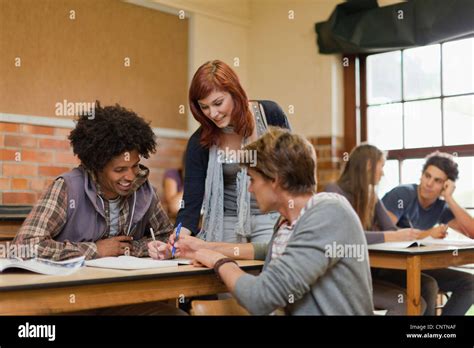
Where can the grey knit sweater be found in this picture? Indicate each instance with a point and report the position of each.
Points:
(324, 269)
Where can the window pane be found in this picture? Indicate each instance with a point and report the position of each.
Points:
(384, 80)
(421, 72)
(411, 170)
(384, 126)
(390, 178)
(459, 120)
(464, 193)
(458, 66)
(423, 123)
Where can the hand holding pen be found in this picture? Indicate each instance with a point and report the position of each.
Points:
(178, 230)
(158, 250)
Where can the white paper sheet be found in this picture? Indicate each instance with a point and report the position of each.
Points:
(131, 262)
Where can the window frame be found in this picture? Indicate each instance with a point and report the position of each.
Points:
(355, 112)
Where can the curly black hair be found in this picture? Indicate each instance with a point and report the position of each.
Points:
(109, 132)
(444, 162)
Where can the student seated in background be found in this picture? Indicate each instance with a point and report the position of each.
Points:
(360, 175)
(304, 271)
(421, 206)
(431, 202)
(106, 206)
(173, 184)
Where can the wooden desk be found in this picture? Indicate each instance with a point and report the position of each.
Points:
(10, 224)
(414, 260)
(35, 294)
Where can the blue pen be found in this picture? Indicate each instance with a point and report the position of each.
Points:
(178, 229)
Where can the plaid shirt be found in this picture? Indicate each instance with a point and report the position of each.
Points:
(49, 216)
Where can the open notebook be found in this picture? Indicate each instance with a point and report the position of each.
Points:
(131, 262)
(425, 242)
(44, 266)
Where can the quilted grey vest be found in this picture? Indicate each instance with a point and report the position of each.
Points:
(85, 211)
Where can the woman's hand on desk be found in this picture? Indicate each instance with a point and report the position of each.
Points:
(159, 250)
(114, 246)
(206, 257)
(184, 231)
(186, 246)
(228, 272)
(438, 232)
(403, 234)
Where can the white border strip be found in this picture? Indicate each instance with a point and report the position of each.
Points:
(69, 123)
(171, 133)
(156, 6)
(38, 120)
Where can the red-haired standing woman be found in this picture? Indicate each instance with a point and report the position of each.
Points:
(214, 182)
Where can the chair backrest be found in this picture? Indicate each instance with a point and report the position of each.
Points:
(11, 219)
(219, 307)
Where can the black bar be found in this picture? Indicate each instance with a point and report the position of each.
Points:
(134, 331)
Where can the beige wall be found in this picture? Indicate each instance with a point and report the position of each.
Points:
(285, 64)
(278, 57)
(218, 29)
(210, 39)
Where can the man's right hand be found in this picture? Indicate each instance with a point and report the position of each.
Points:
(114, 246)
(438, 231)
(159, 250)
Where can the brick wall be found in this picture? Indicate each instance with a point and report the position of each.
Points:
(329, 151)
(32, 156)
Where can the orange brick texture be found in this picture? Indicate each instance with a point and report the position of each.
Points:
(31, 157)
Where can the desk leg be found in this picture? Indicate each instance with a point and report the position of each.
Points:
(413, 285)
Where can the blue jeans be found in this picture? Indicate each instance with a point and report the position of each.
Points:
(391, 297)
(461, 284)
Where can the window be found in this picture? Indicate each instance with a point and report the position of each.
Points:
(419, 100)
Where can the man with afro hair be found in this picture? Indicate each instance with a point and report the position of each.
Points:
(106, 206)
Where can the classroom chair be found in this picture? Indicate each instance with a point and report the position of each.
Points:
(219, 307)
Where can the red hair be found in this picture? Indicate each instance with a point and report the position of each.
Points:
(217, 76)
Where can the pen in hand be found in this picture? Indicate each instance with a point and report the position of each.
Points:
(152, 234)
(178, 229)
